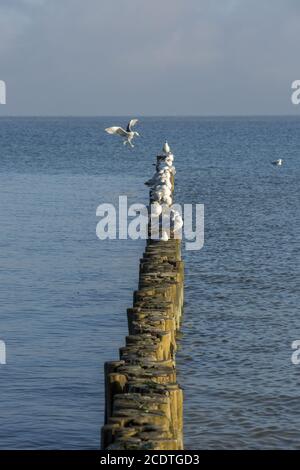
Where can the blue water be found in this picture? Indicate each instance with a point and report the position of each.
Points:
(64, 293)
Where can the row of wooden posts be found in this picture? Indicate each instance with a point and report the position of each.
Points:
(143, 401)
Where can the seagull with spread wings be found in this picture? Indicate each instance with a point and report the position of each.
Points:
(129, 134)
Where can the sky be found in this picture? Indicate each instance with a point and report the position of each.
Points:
(149, 57)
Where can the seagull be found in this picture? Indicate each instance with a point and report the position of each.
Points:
(167, 200)
(162, 192)
(129, 134)
(177, 221)
(169, 161)
(164, 236)
(157, 195)
(164, 186)
(166, 148)
(156, 209)
(159, 178)
(278, 162)
(166, 168)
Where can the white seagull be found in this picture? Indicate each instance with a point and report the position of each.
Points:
(156, 178)
(161, 191)
(164, 236)
(156, 209)
(166, 148)
(278, 162)
(129, 134)
(162, 177)
(167, 200)
(168, 161)
(176, 219)
(166, 167)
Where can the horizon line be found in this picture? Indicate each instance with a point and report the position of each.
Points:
(147, 115)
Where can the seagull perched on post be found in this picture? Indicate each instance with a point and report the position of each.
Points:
(129, 134)
(166, 148)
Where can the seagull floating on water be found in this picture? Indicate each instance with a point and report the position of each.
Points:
(278, 162)
(129, 134)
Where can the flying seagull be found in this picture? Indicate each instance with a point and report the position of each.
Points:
(129, 134)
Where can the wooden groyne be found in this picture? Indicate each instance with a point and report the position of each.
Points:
(144, 402)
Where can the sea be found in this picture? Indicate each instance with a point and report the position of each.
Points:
(64, 293)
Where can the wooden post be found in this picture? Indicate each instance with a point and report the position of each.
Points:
(144, 403)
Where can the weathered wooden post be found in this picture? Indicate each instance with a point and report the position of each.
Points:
(144, 403)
